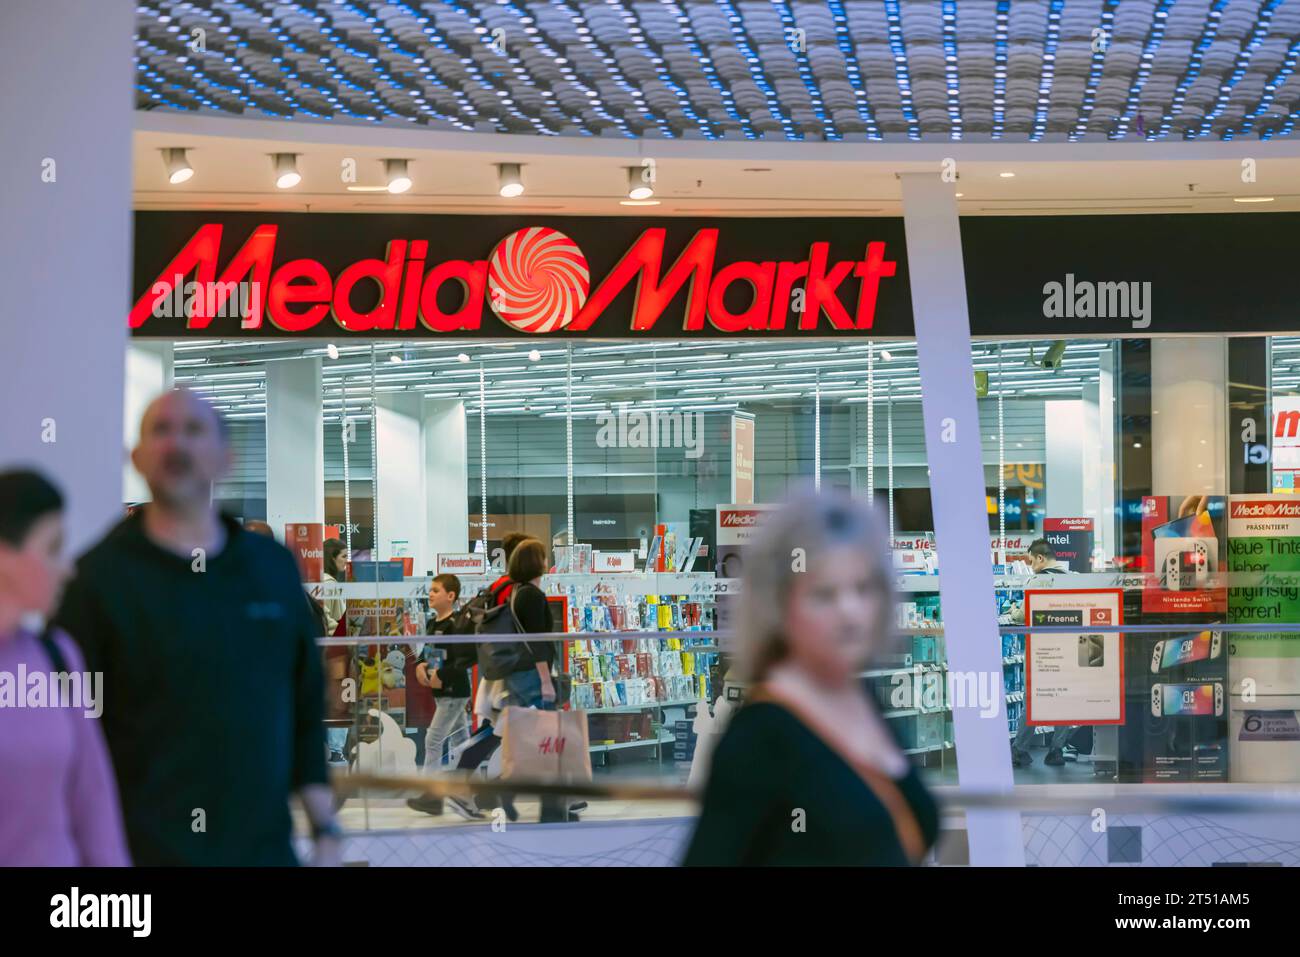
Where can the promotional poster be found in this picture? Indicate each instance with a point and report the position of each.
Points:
(1074, 678)
(1072, 539)
(1186, 717)
(306, 540)
(1182, 545)
(1264, 667)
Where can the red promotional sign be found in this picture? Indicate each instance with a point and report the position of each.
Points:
(307, 540)
(739, 517)
(1263, 508)
(1067, 525)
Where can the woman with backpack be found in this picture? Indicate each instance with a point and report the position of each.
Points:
(527, 680)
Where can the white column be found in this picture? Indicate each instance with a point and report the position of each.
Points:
(66, 101)
(400, 452)
(952, 443)
(1188, 422)
(446, 481)
(1099, 437)
(148, 374)
(295, 444)
(1063, 424)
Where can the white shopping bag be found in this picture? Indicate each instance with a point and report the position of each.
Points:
(544, 745)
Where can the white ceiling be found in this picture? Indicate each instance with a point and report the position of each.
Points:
(456, 172)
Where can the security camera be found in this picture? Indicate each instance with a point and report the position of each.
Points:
(1052, 357)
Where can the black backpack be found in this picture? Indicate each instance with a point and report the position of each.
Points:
(483, 616)
(464, 620)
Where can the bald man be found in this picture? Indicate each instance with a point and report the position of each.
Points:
(213, 691)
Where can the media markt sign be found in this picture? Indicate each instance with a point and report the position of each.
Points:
(416, 276)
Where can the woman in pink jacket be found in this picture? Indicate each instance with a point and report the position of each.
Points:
(58, 798)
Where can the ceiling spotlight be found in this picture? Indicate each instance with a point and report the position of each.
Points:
(509, 180)
(462, 357)
(534, 356)
(1007, 175)
(178, 167)
(332, 351)
(638, 187)
(399, 180)
(395, 359)
(286, 170)
(886, 355)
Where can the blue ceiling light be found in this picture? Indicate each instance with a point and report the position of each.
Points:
(435, 63)
(898, 47)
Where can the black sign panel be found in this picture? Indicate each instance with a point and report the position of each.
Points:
(1131, 275)
(671, 278)
(399, 276)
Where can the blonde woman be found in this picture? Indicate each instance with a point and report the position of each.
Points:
(808, 772)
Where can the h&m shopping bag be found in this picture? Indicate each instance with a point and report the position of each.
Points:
(544, 745)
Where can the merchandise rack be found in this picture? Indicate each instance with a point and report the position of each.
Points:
(587, 589)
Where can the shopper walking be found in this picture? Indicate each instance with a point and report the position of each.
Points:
(335, 561)
(481, 746)
(212, 676)
(58, 799)
(445, 670)
(531, 685)
(1042, 563)
(808, 772)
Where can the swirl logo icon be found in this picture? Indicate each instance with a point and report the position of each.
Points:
(537, 279)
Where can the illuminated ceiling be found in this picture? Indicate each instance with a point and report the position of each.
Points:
(1028, 71)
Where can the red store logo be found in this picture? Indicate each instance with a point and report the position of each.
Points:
(536, 280)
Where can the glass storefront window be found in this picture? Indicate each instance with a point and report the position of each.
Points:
(635, 465)
(1151, 478)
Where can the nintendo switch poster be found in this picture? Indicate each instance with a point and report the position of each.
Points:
(1182, 546)
(1186, 720)
(1073, 677)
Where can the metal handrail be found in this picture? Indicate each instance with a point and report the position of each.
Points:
(1025, 798)
(512, 638)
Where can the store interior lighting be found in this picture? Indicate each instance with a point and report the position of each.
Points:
(740, 375)
(178, 166)
(286, 171)
(638, 186)
(509, 181)
(397, 175)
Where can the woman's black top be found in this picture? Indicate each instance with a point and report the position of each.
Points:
(768, 767)
(534, 614)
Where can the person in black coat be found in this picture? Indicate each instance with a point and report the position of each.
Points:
(807, 771)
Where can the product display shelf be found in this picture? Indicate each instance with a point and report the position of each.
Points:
(617, 677)
(624, 745)
(929, 749)
(632, 708)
